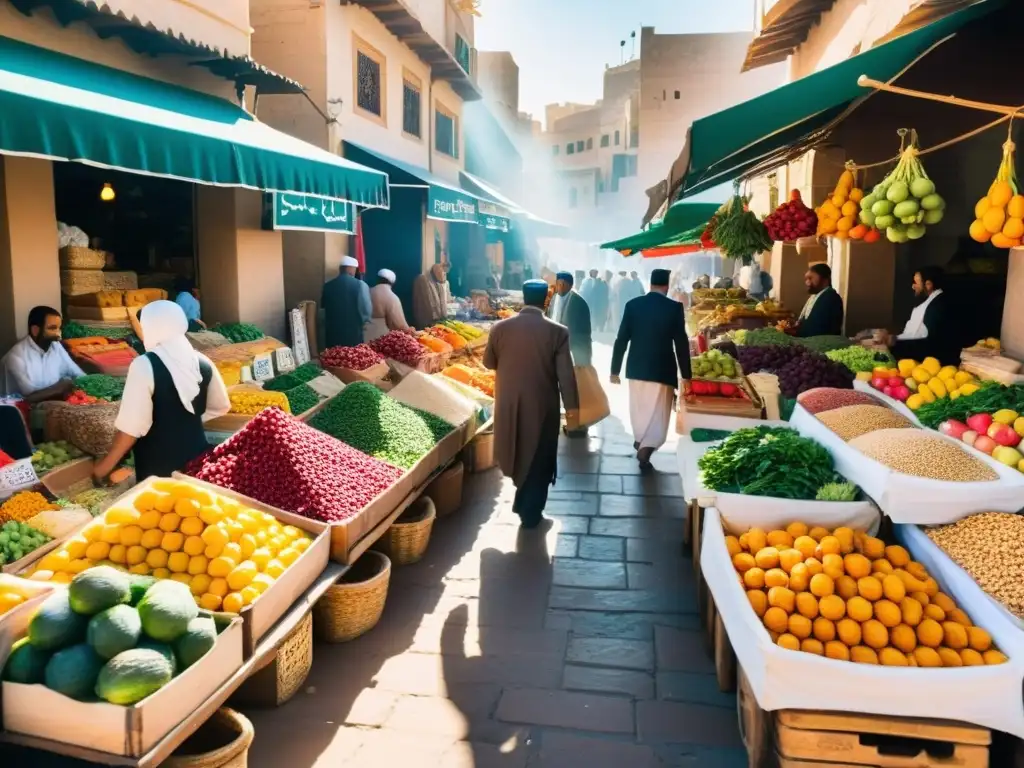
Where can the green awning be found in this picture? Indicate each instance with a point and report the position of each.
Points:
(62, 108)
(445, 201)
(482, 189)
(680, 219)
(726, 145)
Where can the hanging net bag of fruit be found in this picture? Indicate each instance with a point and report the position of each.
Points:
(999, 216)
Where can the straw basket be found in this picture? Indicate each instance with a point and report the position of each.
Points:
(224, 741)
(405, 542)
(276, 683)
(120, 281)
(90, 427)
(354, 605)
(75, 282)
(77, 257)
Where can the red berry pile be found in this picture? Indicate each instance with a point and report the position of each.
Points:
(357, 358)
(399, 346)
(791, 220)
(284, 462)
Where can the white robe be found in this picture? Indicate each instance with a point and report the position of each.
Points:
(650, 411)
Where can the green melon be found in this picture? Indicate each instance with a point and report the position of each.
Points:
(114, 630)
(166, 610)
(55, 625)
(26, 664)
(73, 672)
(133, 675)
(97, 589)
(198, 640)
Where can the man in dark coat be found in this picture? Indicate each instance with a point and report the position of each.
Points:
(601, 292)
(654, 330)
(570, 309)
(822, 315)
(932, 330)
(530, 354)
(347, 306)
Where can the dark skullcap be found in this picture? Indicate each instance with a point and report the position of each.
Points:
(535, 291)
(660, 277)
(567, 276)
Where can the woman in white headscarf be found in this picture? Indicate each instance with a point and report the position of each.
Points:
(170, 391)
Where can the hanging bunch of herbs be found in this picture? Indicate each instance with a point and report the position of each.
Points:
(738, 233)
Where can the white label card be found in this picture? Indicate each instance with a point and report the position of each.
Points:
(284, 359)
(263, 367)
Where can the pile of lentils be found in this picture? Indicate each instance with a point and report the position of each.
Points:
(367, 419)
(990, 547)
(852, 421)
(820, 399)
(918, 453)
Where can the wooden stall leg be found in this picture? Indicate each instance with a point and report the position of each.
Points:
(708, 619)
(697, 536)
(757, 727)
(725, 659)
(688, 528)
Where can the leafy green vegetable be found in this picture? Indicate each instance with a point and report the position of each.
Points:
(302, 398)
(824, 344)
(786, 407)
(761, 337)
(767, 461)
(237, 333)
(837, 492)
(102, 386)
(858, 358)
(990, 398)
(701, 435)
(73, 330)
(304, 374)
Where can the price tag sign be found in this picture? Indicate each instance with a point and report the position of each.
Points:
(300, 344)
(16, 476)
(284, 359)
(263, 367)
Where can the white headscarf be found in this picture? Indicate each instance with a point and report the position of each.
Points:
(163, 328)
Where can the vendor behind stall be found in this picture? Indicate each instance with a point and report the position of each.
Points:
(38, 367)
(170, 391)
(387, 307)
(430, 296)
(822, 315)
(185, 297)
(347, 306)
(932, 330)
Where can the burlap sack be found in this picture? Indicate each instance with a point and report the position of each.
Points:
(593, 400)
(90, 427)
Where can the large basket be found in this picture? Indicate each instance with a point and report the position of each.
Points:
(75, 282)
(353, 606)
(276, 683)
(405, 542)
(224, 740)
(77, 257)
(90, 427)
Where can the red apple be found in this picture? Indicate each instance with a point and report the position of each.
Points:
(728, 390)
(980, 422)
(1003, 434)
(953, 428)
(901, 393)
(895, 381)
(985, 444)
(887, 390)
(879, 383)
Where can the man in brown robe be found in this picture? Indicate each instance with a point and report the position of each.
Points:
(430, 296)
(530, 354)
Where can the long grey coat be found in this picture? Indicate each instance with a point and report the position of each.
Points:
(530, 355)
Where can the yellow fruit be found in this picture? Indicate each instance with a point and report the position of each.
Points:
(55, 561)
(140, 569)
(97, 551)
(177, 562)
(893, 588)
(61, 578)
(861, 654)
(209, 602)
(859, 609)
(776, 619)
(993, 220)
(934, 612)
(213, 551)
(193, 546)
(232, 603)
(890, 657)
(800, 626)
(807, 606)
(805, 545)
(789, 642)
(832, 607)
(950, 658)
(872, 548)
(241, 576)
(1000, 194)
(752, 579)
(927, 657)
(869, 588)
(218, 587)
(288, 556)
(779, 539)
(776, 577)
(274, 568)
(812, 645)
(883, 567)
(903, 637)
(932, 365)
(145, 500)
(929, 632)
(185, 507)
(875, 634)
(732, 544)
(846, 587)
(824, 629)
(261, 581)
(849, 632)
(1015, 207)
(262, 556)
(172, 542)
(914, 402)
(767, 558)
(960, 617)
(944, 601)
(948, 373)
(971, 658)
(822, 585)
(122, 516)
(160, 573)
(249, 594)
(198, 564)
(156, 558)
(830, 545)
(220, 566)
(834, 649)
(233, 551)
(110, 534)
(832, 566)
(799, 578)
(191, 526)
(814, 566)
(757, 539)
(248, 545)
(782, 597)
(920, 597)
(938, 388)
(857, 566)
(994, 657)
(888, 613)
(210, 515)
(954, 635)
(118, 554)
(962, 377)
(845, 536)
(789, 559)
(164, 504)
(796, 529)
(818, 533)
(151, 539)
(758, 600)
(912, 611)
(169, 522)
(978, 639)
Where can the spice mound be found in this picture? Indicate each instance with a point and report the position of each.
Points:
(915, 452)
(852, 421)
(285, 463)
(821, 399)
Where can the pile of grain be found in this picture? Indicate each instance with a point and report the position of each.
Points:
(828, 398)
(918, 453)
(852, 421)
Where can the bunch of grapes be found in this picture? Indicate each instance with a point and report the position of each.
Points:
(797, 368)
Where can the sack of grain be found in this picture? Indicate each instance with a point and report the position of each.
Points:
(76, 257)
(120, 281)
(100, 299)
(75, 282)
(91, 427)
(203, 340)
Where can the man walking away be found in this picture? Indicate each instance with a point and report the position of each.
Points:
(531, 357)
(652, 326)
(599, 305)
(586, 289)
(347, 306)
(570, 309)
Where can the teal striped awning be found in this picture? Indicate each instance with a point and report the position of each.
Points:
(63, 108)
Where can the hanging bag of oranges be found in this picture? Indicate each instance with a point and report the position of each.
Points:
(999, 216)
(838, 215)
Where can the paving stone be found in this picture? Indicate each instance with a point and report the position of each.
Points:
(559, 749)
(430, 715)
(579, 463)
(563, 524)
(656, 550)
(641, 506)
(637, 528)
(585, 506)
(589, 573)
(566, 545)
(387, 747)
(565, 709)
(676, 578)
(609, 483)
(577, 482)
(625, 600)
(609, 548)
(563, 494)
(668, 721)
(693, 688)
(470, 640)
(465, 754)
(620, 465)
(611, 652)
(680, 650)
(639, 685)
(371, 707)
(658, 484)
(691, 756)
(628, 626)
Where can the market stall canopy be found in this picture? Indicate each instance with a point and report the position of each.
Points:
(761, 134)
(59, 107)
(483, 189)
(685, 242)
(445, 201)
(679, 220)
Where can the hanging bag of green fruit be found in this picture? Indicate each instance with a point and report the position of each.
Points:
(999, 216)
(905, 203)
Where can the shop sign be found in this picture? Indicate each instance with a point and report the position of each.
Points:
(449, 205)
(283, 359)
(16, 476)
(263, 367)
(300, 344)
(493, 217)
(308, 213)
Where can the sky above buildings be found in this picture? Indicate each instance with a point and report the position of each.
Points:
(562, 46)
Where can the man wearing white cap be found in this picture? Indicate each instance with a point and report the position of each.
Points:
(347, 306)
(387, 312)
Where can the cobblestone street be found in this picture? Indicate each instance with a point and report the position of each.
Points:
(575, 647)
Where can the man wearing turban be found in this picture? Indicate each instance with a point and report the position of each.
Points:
(387, 307)
(347, 306)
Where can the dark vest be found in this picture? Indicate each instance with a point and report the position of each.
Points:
(176, 436)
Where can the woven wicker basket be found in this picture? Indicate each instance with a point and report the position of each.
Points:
(75, 282)
(405, 542)
(353, 606)
(120, 281)
(89, 427)
(225, 740)
(77, 257)
(276, 683)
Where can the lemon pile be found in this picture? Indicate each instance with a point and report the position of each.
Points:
(849, 597)
(227, 554)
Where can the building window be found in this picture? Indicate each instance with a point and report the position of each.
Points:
(570, 148)
(411, 105)
(462, 54)
(677, 95)
(604, 140)
(579, 146)
(600, 186)
(370, 80)
(446, 132)
(554, 150)
(634, 137)
(573, 197)
(590, 143)
(618, 138)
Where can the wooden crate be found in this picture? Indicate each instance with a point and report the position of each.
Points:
(838, 740)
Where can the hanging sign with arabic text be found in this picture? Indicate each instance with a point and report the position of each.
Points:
(308, 213)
